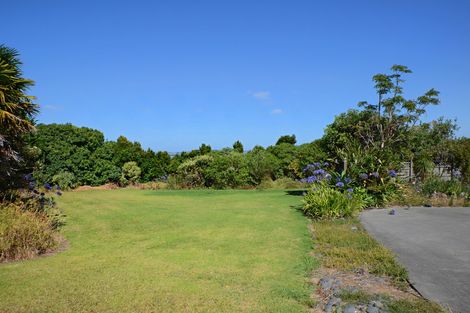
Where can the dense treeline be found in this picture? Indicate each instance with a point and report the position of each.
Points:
(71, 156)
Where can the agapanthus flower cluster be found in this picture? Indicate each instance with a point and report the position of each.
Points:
(316, 173)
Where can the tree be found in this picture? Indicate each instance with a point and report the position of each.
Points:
(204, 149)
(290, 139)
(379, 134)
(17, 111)
(238, 146)
(261, 164)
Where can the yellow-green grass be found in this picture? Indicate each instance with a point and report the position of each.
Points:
(345, 245)
(169, 251)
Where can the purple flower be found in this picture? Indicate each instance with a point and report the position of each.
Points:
(347, 180)
(311, 179)
(59, 193)
(363, 176)
(392, 173)
(350, 190)
(326, 164)
(319, 172)
(317, 164)
(375, 174)
(57, 187)
(328, 176)
(339, 184)
(349, 196)
(47, 186)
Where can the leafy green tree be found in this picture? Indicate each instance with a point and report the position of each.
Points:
(286, 154)
(17, 111)
(67, 148)
(204, 149)
(377, 135)
(238, 146)
(192, 171)
(460, 156)
(227, 169)
(261, 164)
(289, 139)
(130, 173)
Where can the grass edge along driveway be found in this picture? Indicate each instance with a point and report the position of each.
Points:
(170, 251)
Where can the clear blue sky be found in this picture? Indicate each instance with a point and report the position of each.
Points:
(173, 74)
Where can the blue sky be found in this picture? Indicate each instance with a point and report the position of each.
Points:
(174, 74)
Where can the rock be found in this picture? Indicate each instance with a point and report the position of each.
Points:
(372, 309)
(328, 308)
(392, 212)
(334, 301)
(354, 228)
(377, 304)
(349, 309)
(326, 283)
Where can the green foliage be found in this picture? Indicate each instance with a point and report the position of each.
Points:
(17, 112)
(130, 173)
(238, 146)
(261, 165)
(460, 157)
(434, 184)
(289, 139)
(325, 202)
(65, 180)
(192, 172)
(227, 169)
(24, 234)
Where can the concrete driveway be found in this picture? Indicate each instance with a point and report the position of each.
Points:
(434, 245)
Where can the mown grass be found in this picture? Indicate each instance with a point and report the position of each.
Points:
(169, 251)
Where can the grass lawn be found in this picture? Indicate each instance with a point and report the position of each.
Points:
(169, 251)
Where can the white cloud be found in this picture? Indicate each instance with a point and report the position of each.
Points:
(277, 111)
(261, 95)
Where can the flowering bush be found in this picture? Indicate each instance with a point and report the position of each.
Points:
(325, 202)
(364, 190)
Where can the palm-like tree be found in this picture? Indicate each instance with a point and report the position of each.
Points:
(16, 107)
(17, 111)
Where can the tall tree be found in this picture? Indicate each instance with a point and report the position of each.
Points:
(290, 139)
(238, 146)
(17, 111)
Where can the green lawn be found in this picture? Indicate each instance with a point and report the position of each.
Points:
(169, 251)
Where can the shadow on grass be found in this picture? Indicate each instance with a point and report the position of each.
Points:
(299, 193)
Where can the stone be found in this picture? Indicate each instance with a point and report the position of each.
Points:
(328, 308)
(334, 301)
(354, 228)
(349, 309)
(377, 304)
(392, 212)
(326, 283)
(372, 309)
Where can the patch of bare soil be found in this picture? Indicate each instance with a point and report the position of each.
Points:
(102, 187)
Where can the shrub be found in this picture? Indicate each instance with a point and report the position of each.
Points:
(24, 234)
(438, 185)
(191, 172)
(227, 170)
(130, 173)
(65, 180)
(326, 202)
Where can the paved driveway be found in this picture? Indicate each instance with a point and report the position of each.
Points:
(434, 245)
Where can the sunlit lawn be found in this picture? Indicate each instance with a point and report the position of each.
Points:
(169, 251)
